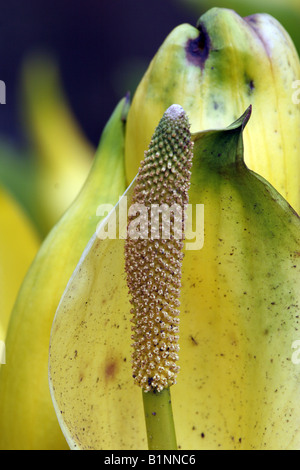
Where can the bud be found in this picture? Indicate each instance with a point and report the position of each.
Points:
(217, 70)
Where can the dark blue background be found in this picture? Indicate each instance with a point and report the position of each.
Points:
(90, 39)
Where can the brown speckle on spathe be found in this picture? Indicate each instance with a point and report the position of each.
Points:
(110, 370)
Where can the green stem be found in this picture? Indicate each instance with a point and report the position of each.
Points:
(159, 420)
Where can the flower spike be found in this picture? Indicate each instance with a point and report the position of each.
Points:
(153, 256)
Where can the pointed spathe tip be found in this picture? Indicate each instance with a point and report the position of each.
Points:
(242, 121)
(246, 116)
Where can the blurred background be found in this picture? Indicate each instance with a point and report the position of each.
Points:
(65, 65)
